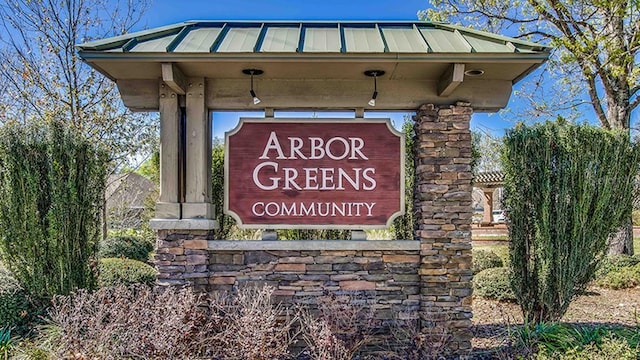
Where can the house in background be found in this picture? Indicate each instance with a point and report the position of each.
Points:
(125, 197)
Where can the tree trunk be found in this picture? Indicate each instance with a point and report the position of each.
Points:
(619, 116)
(621, 241)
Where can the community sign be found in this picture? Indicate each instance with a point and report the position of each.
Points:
(314, 173)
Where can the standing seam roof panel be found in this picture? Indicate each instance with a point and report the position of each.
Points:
(482, 45)
(366, 40)
(404, 40)
(154, 45)
(198, 40)
(444, 41)
(357, 37)
(321, 40)
(240, 39)
(281, 39)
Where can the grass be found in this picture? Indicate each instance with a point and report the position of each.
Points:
(570, 341)
(490, 237)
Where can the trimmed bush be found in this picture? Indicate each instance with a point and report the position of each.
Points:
(118, 271)
(621, 278)
(615, 263)
(635, 217)
(14, 304)
(483, 259)
(129, 247)
(493, 284)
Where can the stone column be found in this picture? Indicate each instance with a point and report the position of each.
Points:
(198, 154)
(182, 258)
(168, 206)
(443, 223)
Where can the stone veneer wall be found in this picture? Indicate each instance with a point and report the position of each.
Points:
(431, 275)
(384, 272)
(442, 205)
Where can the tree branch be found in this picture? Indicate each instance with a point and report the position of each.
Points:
(596, 103)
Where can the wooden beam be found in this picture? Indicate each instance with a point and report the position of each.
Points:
(174, 78)
(450, 79)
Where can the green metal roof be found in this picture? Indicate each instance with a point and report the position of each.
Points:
(318, 64)
(217, 37)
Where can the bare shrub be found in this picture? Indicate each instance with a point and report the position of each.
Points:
(408, 343)
(131, 322)
(252, 327)
(321, 342)
(343, 325)
(138, 322)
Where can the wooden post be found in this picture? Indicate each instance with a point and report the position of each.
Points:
(168, 206)
(487, 215)
(198, 154)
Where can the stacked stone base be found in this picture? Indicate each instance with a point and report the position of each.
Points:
(384, 272)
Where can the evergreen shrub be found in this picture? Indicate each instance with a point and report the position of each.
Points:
(493, 284)
(118, 271)
(484, 259)
(129, 247)
(567, 187)
(51, 193)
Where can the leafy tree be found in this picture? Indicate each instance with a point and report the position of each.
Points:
(150, 168)
(51, 187)
(597, 43)
(596, 62)
(403, 226)
(566, 188)
(42, 74)
(486, 150)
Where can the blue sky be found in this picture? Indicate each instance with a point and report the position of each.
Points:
(165, 12)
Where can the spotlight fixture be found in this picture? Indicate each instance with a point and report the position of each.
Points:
(252, 72)
(474, 72)
(374, 74)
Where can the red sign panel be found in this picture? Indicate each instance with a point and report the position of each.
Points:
(314, 173)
